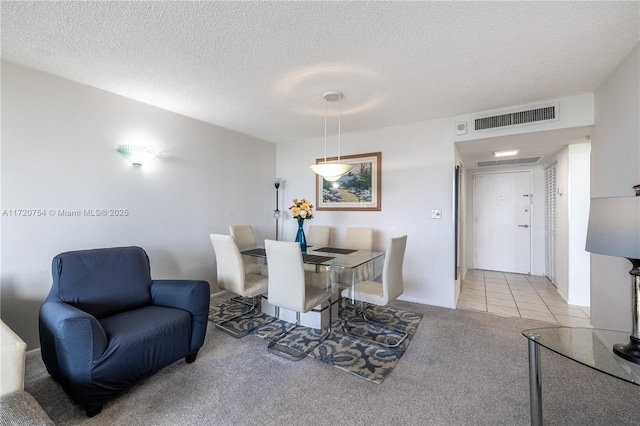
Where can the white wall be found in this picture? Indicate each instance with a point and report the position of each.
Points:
(572, 202)
(615, 168)
(417, 176)
(59, 143)
(578, 193)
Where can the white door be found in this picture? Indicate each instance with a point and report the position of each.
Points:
(502, 221)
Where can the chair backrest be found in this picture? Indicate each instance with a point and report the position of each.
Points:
(392, 282)
(286, 275)
(243, 235)
(228, 263)
(102, 282)
(318, 236)
(359, 239)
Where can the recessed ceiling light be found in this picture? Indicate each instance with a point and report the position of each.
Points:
(506, 153)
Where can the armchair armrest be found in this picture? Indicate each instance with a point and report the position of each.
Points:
(70, 340)
(190, 295)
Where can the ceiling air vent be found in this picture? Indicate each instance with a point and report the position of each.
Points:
(548, 113)
(511, 161)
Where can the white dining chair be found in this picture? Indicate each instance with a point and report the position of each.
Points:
(290, 288)
(380, 294)
(356, 239)
(233, 277)
(318, 236)
(244, 236)
(359, 239)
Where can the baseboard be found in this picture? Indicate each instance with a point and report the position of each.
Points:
(219, 293)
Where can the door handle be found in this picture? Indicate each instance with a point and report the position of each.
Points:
(523, 226)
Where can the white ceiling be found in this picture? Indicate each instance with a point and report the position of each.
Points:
(261, 68)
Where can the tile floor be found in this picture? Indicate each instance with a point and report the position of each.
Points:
(516, 295)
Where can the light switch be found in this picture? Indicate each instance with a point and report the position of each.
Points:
(436, 214)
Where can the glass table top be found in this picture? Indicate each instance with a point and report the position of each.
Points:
(588, 346)
(327, 256)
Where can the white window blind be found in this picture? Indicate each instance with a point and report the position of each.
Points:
(550, 222)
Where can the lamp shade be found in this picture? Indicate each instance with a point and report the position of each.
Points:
(614, 227)
(331, 171)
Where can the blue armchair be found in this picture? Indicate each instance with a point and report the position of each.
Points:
(106, 324)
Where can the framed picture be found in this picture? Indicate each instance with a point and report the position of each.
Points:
(358, 190)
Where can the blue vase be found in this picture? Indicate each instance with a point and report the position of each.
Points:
(300, 238)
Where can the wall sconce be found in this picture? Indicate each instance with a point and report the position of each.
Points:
(137, 155)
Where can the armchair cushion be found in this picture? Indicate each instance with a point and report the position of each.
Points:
(88, 280)
(161, 336)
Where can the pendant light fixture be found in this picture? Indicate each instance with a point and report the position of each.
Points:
(331, 171)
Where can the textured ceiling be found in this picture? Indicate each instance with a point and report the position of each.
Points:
(261, 68)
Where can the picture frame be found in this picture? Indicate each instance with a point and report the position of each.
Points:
(358, 190)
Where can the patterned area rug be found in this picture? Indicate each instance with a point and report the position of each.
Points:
(355, 355)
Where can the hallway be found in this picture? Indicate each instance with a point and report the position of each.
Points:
(516, 295)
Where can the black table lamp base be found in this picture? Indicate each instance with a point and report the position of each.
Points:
(630, 351)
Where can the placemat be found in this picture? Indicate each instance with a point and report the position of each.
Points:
(255, 252)
(335, 250)
(307, 258)
(313, 258)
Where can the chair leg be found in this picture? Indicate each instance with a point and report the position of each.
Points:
(191, 357)
(240, 299)
(377, 324)
(94, 411)
(234, 333)
(294, 354)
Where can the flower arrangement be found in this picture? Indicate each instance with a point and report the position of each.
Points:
(301, 209)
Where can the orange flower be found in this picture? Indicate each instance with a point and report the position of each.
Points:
(301, 209)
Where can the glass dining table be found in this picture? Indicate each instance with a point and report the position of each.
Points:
(333, 258)
(342, 265)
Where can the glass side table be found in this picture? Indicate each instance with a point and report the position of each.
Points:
(588, 346)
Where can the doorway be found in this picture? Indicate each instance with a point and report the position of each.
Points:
(502, 213)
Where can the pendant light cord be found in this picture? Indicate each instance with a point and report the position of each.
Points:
(326, 101)
(339, 124)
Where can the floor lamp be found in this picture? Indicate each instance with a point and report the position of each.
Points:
(277, 214)
(614, 230)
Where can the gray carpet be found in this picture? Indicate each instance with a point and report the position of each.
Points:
(462, 368)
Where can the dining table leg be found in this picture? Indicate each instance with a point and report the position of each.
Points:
(353, 285)
(535, 387)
